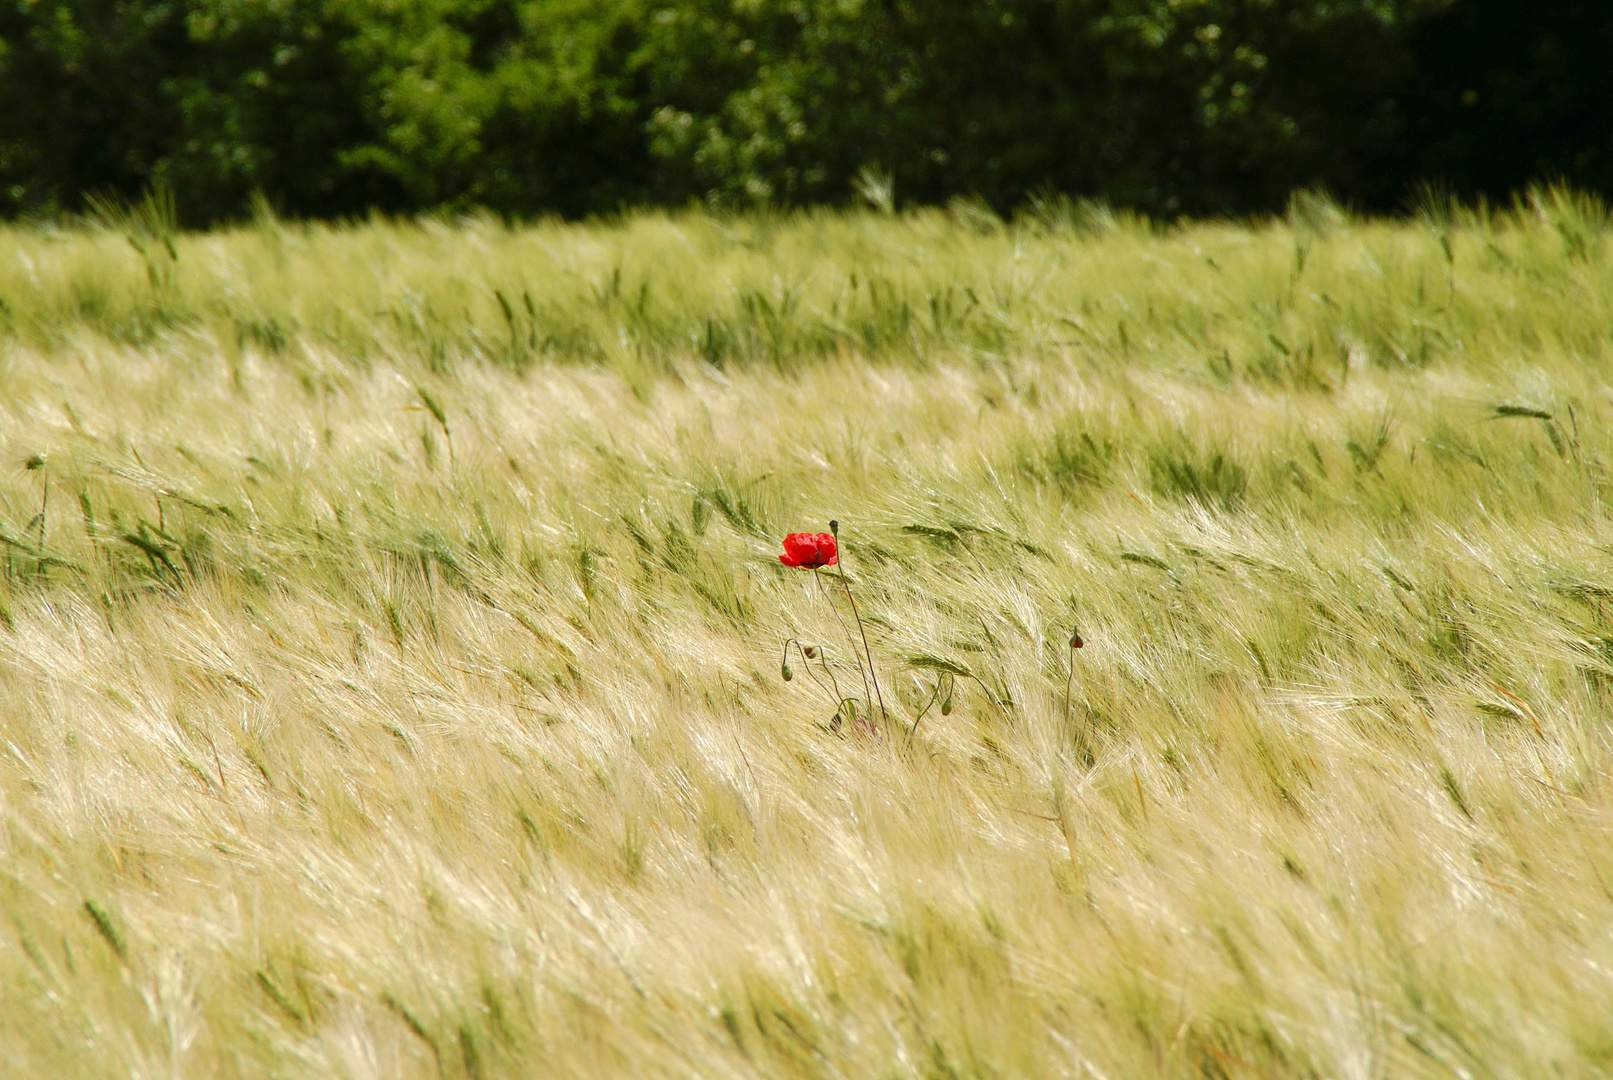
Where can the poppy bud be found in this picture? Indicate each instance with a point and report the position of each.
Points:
(810, 652)
(1075, 641)
(834, 527)
(784, 670)
(946, 706)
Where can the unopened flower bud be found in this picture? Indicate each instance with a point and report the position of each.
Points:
(810, 652)
(946, 706)
(784, 670)
(1075, 641)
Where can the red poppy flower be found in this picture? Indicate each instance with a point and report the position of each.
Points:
(810, 550)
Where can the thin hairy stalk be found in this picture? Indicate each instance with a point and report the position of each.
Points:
(868, 697)
(883, 715)
(834, 528)
(1069, 680)
(919, 719)
(823, 661)
(44, 513)
(806, 662)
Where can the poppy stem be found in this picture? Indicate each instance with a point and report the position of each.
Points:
(912, 731)
(834, 528)
(868, 698)
(806, 662)
(1068, 681)
(872, 674)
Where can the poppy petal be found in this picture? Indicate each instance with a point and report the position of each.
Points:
(810, 550)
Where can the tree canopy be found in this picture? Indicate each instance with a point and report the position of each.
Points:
(338, 107)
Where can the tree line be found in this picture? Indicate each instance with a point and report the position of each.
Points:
(330, 108)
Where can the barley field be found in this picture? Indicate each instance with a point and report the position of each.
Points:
(393, 646)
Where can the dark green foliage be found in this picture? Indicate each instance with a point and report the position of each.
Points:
(1211, 107)
(1506, 92)
(328, 107)
(339, 107)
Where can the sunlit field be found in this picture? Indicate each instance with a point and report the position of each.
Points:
(393, 645)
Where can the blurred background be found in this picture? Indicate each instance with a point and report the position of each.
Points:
(337, 108)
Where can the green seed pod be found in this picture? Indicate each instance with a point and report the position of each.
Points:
(784, 670)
